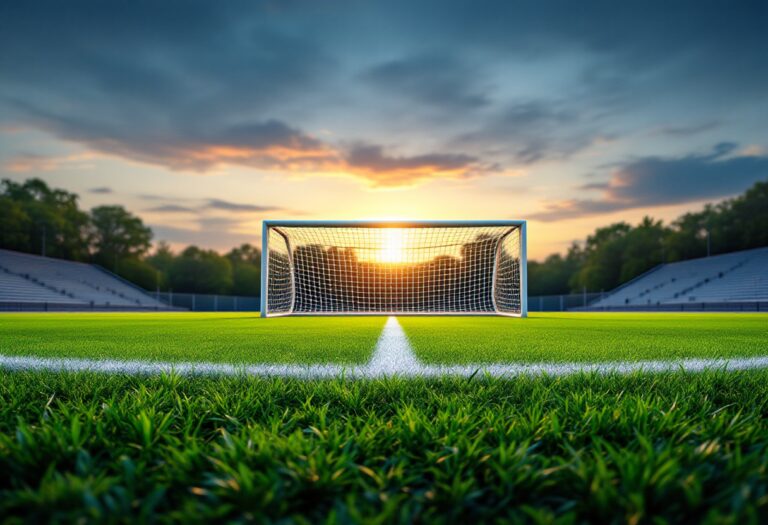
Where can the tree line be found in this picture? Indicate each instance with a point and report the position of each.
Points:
(38, 219)
(35, 218)
(614, 254)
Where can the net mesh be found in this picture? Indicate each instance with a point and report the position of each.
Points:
(417, 269)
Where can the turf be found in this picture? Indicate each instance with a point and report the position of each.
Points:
(222, 337)
(663, 448)
(582, 337)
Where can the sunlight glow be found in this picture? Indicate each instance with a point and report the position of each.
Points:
(392, 244)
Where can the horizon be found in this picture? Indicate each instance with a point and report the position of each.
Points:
(205, 120)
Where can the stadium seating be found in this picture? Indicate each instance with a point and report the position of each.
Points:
(729, 278)
(32, 279)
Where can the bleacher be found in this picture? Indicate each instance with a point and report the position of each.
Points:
(738, 277)
(32, 282)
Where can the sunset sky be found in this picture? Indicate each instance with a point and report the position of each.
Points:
(206, 117)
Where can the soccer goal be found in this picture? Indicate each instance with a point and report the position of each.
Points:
(387, 267)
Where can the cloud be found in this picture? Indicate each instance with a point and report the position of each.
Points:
(531, 131)
(274, 145)
(688, 130)
(30, 163)
(212, 223)
(218, 237)
(172, 208)
(435, 80)
(219, 204)
(658, 181)
(33, 162)
(372, 163)
(201, 206)
(199, 85)
(101, 190)
(189, 86)
(271, 145)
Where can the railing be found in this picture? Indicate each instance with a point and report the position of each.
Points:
(45, 306)
(208, 303)
(230, 303)
(536, 303)
(586, 303)
(693, 306)
(562, 303)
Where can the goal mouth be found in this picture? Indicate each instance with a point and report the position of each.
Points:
(393, 268)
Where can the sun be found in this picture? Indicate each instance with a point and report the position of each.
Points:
(392, 246)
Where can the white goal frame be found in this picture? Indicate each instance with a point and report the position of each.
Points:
(275, 225)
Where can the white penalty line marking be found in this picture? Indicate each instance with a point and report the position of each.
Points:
(393, 356)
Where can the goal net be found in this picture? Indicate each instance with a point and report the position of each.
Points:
(315, 268)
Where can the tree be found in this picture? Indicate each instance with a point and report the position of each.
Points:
(35, 218)
(603, 258)
(246, 269)
(688, 237)
(245, 253)
(644, 246)
(162, 260)
(44, 220)
(139, 272)
(16, 226)
(201, 271)
(118, 235)
(552, 276)
(246, 279)
(744, 220)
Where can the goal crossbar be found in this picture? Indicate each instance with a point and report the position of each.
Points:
(394, 268)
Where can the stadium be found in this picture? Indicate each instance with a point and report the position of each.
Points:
(464, 273)
(445, 350)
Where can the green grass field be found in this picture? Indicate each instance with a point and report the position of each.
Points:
(223, 337)
(658, 448)
(548, 337)
(663, 448)
(246, 338)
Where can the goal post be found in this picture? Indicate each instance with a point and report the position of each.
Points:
(393, 268)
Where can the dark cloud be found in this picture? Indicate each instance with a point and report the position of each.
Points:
(629, 36)
(266, 145)
(434, 80)
(371, 162)
(658, 181)
(101, 190)
(531, 131)
(594, 186)
(219, 204)
(195, 85)
(172, 208)
(188, 85)
(195, 206)
(150, 197)
(693, 129)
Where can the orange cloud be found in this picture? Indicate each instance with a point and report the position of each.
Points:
(35, 163)
(367, 162)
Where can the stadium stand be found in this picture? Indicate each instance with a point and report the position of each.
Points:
(738, 278)
(31, 282)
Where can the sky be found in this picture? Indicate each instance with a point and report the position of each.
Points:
(204, 118)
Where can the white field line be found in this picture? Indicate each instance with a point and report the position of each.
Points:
(393, 356)
(134, 367)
